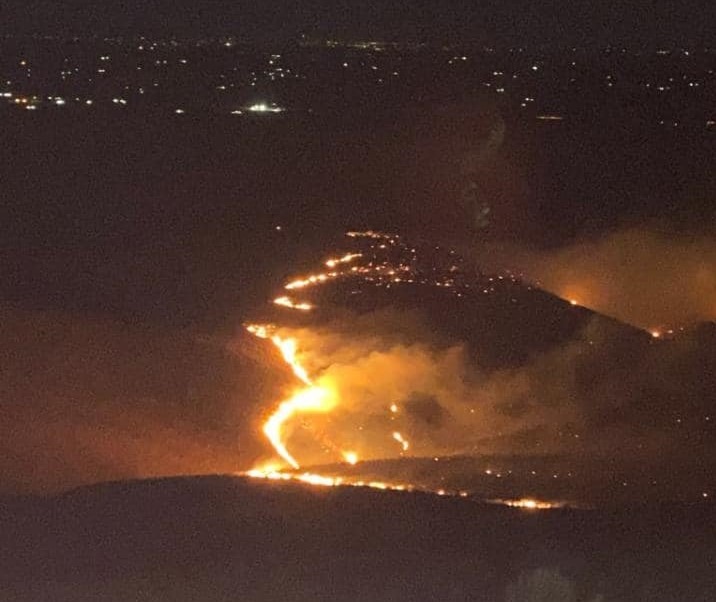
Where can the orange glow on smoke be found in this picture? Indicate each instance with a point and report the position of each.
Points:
(316, 394)
(310, 399)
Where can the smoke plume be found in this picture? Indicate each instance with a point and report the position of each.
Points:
(641, 276)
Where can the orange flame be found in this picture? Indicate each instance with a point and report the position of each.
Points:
(291, 304)
(310, 399)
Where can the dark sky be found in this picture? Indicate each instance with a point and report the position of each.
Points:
(498, 21)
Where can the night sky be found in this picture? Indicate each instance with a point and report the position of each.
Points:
(493, 21)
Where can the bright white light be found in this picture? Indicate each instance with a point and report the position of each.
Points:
(350, 457)
(262, 107)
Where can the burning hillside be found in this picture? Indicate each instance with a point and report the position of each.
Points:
(380, 384)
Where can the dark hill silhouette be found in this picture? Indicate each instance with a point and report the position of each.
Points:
(223, 538)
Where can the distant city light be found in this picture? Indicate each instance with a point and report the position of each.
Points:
(262, 107)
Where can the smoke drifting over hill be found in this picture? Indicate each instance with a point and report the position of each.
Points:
(592, 394)
(113, 401)
(642, 276)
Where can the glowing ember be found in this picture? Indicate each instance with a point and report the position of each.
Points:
(332, 263)
(400, 439)
(314, 279)
(291, 304)
(529, 504)
(350, 457)
(321, 480)
(311, 478)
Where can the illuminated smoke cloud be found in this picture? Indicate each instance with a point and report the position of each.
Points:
(401, 388)
(641, 276)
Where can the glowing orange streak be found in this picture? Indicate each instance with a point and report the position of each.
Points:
(347, 258)
(529, 504)
(308, 281)
(291, 304)
(326, 481)
(400, 439)
(312, 398)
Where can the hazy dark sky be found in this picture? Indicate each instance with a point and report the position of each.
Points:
(508, 21)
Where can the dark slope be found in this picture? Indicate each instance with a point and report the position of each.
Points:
(503, 318)
(223, 538)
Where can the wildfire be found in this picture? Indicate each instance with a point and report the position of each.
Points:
(310, 399)
(314, 279)
(529, 504)
(291, 304)
(400, 439)
(350, 457)
(318, 480)
(316, 394)
(323, 481)
(347, 258)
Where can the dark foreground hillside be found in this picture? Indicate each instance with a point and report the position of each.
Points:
(223, 538)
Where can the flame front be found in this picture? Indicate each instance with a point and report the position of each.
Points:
(319, 396)
(285, 301)
(312, 398)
